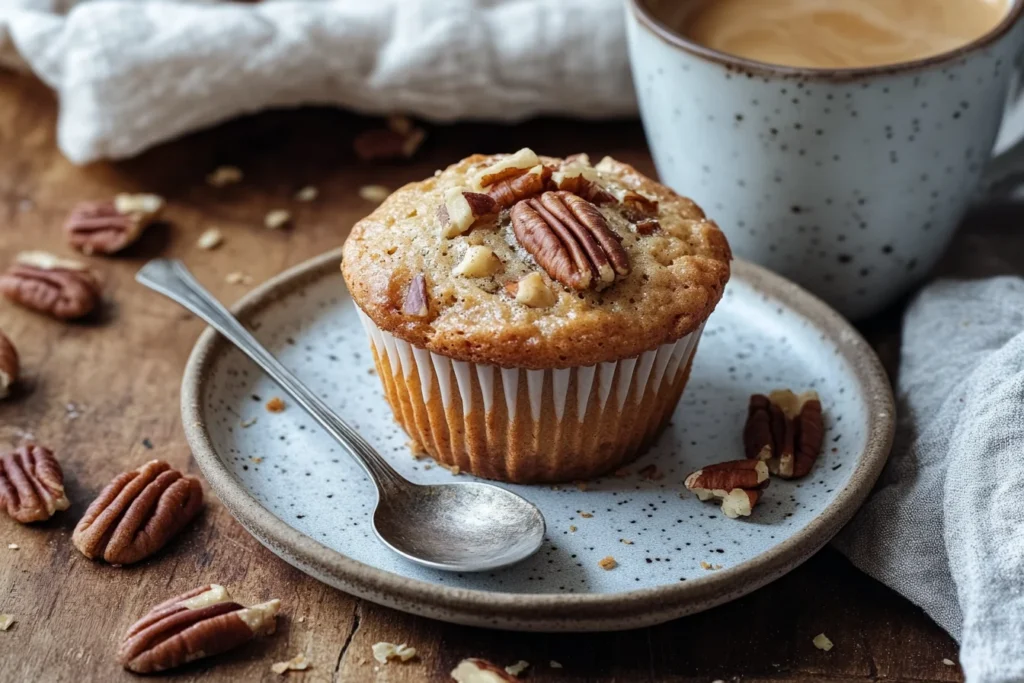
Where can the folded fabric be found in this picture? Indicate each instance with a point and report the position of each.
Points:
(130, 74)
(945, 526)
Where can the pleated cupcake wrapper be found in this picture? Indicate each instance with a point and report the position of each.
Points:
(616, 381)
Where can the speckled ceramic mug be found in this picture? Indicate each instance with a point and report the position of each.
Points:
(850, 182)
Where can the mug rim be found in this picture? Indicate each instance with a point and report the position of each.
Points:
(648, 20)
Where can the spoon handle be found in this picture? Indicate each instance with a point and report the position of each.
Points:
(171, 278)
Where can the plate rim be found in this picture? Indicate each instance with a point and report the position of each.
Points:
(518, 610)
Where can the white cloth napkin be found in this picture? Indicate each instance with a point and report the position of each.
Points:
(130, 74)
(945, 525)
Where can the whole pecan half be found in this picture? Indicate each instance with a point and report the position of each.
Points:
(9, 365)
(570, 240)
(200, 623)
(737, 483)
(108, 227)
(785, 430)
(62, 288)
(137, 513)
(31, 484)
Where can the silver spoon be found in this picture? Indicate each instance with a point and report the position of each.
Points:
(465, 527)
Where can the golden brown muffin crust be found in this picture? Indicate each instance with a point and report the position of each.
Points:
(676, 279)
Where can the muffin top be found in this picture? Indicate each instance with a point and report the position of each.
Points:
(525, 261)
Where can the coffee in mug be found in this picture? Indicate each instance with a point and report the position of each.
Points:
(838, 142)
(831, 34)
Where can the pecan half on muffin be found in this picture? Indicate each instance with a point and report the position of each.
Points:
(533, 319)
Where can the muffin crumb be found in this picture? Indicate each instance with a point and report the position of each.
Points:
(210, 239)
(277, 218)
(822, 642)
(307, 194)
(374, 193)
(224, 175)
(607, 563)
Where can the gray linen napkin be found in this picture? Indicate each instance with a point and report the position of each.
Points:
(945, 525)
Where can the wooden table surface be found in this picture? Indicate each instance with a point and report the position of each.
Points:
(95, 392)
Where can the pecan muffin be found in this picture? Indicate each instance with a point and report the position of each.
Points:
(533, 319)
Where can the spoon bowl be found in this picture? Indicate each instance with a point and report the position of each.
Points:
(460, 527)
(465, 527)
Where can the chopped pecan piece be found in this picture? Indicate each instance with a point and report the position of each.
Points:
(508, 191)
(636, 207)
(31, 484)
(570, 240)
(532, 291)
(461, 209)
(110, 226)
(62, 288)
(479, 261)
(507, 167)
(224, 175)
(384, 651)
(137, 513)
(647, 226)
(588, 189)
(416, 303)
(786, 430)
(738, 484)
(576, 175)
(200, 623)
(476, 670)
(9, 365)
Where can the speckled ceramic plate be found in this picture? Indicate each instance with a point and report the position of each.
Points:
(306, 500)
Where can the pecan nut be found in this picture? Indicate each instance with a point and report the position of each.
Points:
(532, 291)
(137, 513)
(31, 484)
(476, 670)
(399, 140)
(570, 240)
(9, 365)
(508, 166)
(416, 304)
(461, 209)
(738, 484)
(200, 623)
(786, 430)
(62, 288)
(108, 227)
(576, 175)
(522, 185)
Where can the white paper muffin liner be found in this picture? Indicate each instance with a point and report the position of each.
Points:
(489, 399)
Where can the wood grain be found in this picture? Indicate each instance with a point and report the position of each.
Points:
(97, 391)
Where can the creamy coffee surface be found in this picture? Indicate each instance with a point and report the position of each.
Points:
(833, 34)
